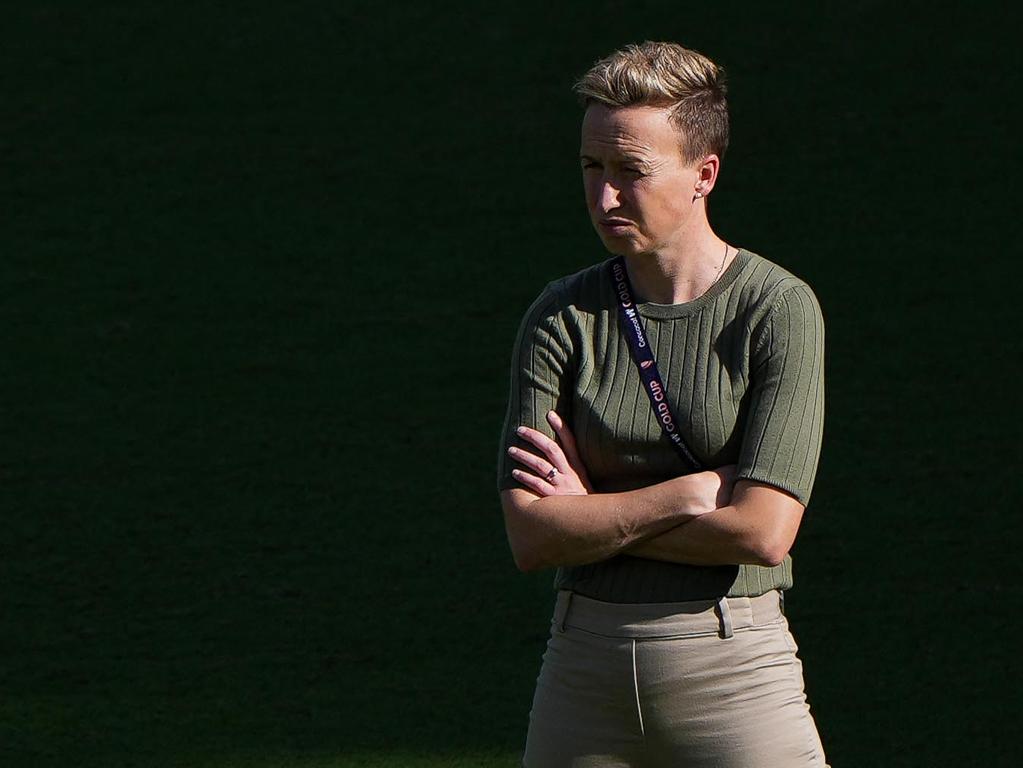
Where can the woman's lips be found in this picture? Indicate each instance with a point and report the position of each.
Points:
(615, 226)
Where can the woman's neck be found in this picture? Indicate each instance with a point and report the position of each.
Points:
(681, 273)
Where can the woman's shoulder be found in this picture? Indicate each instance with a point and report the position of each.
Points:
(579, 291)
(587, 279)
(762, 282)
(564, 301)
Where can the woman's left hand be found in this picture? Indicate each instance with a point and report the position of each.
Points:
(558, 470)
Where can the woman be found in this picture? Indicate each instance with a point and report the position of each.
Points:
(659, 449)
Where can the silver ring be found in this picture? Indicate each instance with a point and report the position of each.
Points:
(549, 477)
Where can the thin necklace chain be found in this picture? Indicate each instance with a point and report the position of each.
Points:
(718, 273)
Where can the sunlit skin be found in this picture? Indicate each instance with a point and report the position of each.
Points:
(648, 204)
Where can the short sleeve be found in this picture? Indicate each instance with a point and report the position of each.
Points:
(785, 422)
(539, 369)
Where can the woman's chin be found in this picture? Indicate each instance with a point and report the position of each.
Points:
(621, 246)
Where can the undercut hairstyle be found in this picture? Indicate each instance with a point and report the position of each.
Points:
(665, 75)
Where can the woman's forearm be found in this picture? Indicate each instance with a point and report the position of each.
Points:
(721, 537)
(574, 530)
(758, 528)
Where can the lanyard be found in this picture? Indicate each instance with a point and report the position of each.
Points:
(644, 358)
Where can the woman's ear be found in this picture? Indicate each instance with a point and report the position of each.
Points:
(707, 175)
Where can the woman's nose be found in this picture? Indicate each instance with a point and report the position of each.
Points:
(608, 197)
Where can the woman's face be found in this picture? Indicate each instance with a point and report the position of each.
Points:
(639, 191)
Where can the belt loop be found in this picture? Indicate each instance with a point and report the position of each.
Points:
(781, 601)
(561, 609)
(725, 615)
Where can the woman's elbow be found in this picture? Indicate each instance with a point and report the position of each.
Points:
(769, 558)
(526, 561)
(525, 546)
(772, 517)
(534, 548)
(528, 555)
(527, 537)
(771, 550)
(774, 534)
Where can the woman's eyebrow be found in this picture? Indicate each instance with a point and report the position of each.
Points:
(634, 159)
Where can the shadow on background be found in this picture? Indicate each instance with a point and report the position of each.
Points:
(264, 265)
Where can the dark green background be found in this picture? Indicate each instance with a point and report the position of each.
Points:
(263, 265)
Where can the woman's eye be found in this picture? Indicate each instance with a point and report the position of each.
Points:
(633, 171)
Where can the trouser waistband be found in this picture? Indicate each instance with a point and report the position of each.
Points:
(721, 616)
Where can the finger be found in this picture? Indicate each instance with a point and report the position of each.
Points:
(570, 447)
(541, 466)
(533, 482)
(550, 448)
(565, 436)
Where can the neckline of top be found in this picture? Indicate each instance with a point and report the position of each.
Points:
(670, 311)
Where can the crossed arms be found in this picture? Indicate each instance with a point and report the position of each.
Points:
(699, 519)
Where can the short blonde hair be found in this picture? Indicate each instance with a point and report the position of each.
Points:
(665, 75)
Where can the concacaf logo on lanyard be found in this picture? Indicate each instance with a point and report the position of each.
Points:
(644, 358)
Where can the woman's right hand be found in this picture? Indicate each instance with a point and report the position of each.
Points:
(711, 489)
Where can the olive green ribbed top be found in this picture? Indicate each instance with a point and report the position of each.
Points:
(743, 369)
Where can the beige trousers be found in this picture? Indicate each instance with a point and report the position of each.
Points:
(703, 684)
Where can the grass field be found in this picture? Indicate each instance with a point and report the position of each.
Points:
(263, 264)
